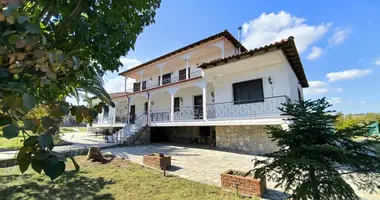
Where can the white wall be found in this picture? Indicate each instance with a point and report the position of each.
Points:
(293, 83)
(278, 74)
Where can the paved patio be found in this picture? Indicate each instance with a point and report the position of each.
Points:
(203, 165)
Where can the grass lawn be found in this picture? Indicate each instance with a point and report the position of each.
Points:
(11, 144)
(72, 129)
(17, 142)
(119, 179)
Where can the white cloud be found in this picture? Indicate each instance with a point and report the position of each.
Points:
(319, 87)
(335, 100)
(115, 83)
(316, 52)
(348, 74)
(377, 62)
(340, 35)
(363, 102)
(316, 87)
(272, 27)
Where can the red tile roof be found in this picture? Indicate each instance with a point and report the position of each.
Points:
(224, 33)
(118, 94)
(286, 45)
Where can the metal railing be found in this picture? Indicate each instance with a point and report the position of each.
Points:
(170, 80)
(244, 109)
(160, 115)
(188, 113)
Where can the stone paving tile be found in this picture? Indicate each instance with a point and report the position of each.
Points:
(202, 165)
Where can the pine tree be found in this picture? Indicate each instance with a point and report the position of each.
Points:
(314, 160)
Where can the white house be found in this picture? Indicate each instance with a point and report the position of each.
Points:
(213, 91)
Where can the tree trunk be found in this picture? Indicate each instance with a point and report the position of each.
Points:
(314, 182)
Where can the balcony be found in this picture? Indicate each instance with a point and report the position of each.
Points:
(165, 81)
(233, 110)
(257, 108)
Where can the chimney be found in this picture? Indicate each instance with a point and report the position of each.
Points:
(239, 38)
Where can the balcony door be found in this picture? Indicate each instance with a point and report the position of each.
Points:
(132, 114)
(198, 107)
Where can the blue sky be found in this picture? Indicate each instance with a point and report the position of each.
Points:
(337, 40)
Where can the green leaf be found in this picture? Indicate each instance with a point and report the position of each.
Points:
(64, 108)
(38, 165)
(22, 152)
(30, 124)
(33, 28)
(112, 104)
(13, 38)
(29, 101)
(73, 110)
(46, 141)
(11, 131)
(54, 167)
(5, 120)
(77, 168)
(7, 12)
(79, 117)
(22, 19)
(8, 32)
(41, 155)
(24, 162)
(32, 140)
(47, 122)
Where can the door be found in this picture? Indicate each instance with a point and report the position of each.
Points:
(132, 114)
(198, 107)
(146, 107)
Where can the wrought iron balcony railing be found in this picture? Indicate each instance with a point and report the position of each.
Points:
(265, 107)
(160, 115)
(150, 85)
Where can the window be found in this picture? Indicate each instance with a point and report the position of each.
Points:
(182, 74)
(248, 91)
(166, 79)
(136, 87)
(144, 85)
(299, 95)
(176, 104)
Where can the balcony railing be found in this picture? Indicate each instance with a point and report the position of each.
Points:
(166, 81)
(265, 107)
(160, 115)
(188, 113)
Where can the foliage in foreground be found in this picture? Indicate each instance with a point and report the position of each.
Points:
(314, 160)
(51, 49)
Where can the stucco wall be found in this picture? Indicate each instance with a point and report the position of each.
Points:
(223, 84)
(244, 138)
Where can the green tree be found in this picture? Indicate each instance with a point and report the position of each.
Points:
(314, 160)
(51, 49)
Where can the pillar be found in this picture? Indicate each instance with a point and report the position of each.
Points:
(148, 114)
(204, 100)
(172, 107)
(187, 68)
(160, 76)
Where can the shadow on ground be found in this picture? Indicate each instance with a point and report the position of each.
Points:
(68, 186)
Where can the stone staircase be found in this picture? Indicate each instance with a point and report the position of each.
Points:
(131, 133)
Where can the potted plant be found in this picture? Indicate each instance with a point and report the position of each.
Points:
(243, 182)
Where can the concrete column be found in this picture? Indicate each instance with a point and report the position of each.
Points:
(204, 100)
(187, 68)
(148, 117)
(160, 76)
(141, 75)
(114, 115)
(172, 107)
